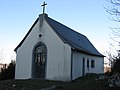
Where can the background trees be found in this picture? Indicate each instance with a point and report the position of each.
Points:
(8, 72)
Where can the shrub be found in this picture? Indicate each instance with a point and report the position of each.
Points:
(9, 72)
(116, 66)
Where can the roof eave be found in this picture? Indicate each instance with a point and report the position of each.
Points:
(77, 50)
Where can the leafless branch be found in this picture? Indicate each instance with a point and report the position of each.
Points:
(114, 9)
(114, 2)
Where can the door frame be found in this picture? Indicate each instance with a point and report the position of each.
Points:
(83, 66)
(33, 57)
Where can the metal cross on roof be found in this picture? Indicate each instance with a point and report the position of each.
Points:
(44, 7)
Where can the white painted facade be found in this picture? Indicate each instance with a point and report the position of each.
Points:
(58, 55)
(62, 63)
(77, 64)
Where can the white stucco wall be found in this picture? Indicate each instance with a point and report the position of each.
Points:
(77, 66)
(58, 55)
(24, 55)
(99, 65)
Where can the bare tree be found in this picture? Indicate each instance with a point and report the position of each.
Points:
(114, 10)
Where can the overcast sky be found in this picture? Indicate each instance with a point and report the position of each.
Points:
(84, 16)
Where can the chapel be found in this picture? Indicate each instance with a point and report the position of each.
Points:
(53, 51)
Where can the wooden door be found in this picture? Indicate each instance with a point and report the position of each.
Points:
(39, 62)
(83, 67)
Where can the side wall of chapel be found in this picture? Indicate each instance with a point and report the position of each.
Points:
(77, 66)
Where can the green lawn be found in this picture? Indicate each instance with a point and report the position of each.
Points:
(83, 83)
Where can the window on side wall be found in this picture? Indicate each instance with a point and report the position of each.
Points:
(92, 64)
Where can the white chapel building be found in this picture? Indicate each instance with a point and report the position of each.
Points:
(53, 51)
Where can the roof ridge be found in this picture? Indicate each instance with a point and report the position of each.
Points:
(46, 16)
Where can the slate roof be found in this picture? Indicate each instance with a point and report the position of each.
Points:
(76, 40)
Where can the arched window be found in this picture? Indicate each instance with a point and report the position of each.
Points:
(39, 60)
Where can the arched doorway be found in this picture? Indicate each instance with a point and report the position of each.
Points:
(39, 61)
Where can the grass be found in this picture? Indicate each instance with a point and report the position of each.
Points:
(83, 83)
